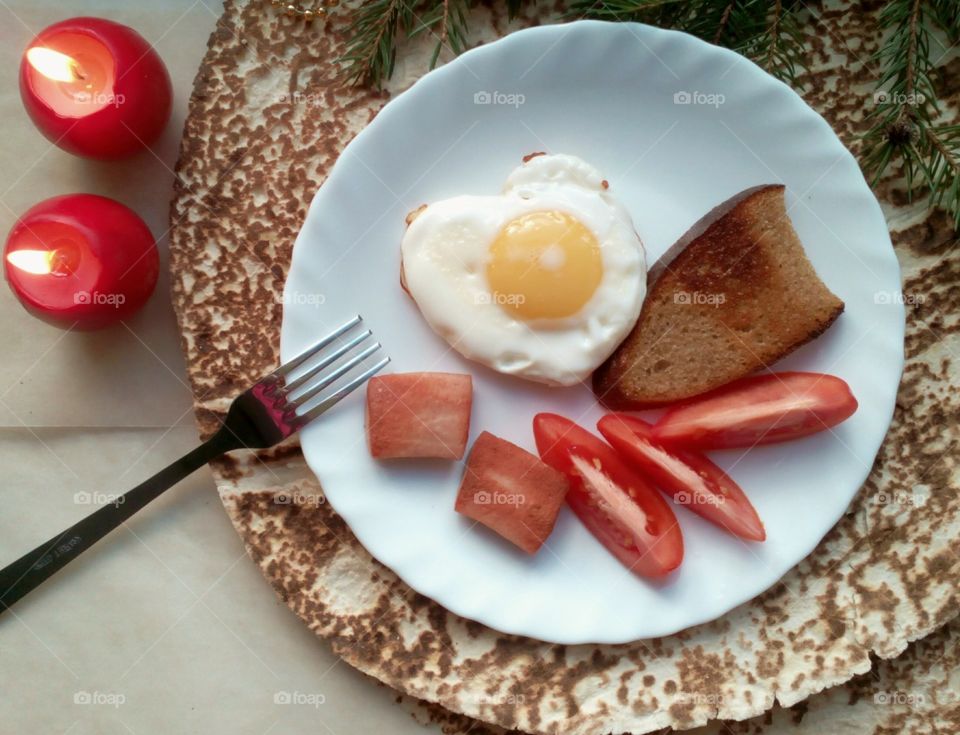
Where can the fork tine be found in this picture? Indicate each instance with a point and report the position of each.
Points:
(334, 375)
(342, 392)
(326, 362)
(297, 361)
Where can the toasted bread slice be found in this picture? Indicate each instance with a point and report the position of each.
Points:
(735, 294)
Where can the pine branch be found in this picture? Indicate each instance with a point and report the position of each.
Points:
(904, 129)
(780, 52)
(372, 50)
(447, 20)
(942, 169)
(768, 33)
(378, 25)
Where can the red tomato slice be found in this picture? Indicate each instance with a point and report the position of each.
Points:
(758, 410)
(690, 477)
(629, 517)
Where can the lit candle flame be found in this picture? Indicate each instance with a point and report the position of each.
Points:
(53, 65)
(38, 262)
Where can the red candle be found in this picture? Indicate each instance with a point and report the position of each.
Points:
(81, 261)
(95, 88)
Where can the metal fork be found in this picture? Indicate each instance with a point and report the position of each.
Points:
(273, 409)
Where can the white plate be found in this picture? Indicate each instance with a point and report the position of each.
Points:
(613, 94)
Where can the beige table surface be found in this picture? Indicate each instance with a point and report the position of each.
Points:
(165, 627)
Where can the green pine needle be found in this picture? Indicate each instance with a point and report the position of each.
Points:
(764, 31)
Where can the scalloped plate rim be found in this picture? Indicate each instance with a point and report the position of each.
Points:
(586, 633)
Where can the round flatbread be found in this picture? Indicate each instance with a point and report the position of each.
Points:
(267, 120)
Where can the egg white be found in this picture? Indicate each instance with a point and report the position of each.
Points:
(446, 249)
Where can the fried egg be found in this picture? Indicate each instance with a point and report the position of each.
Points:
(542, 281)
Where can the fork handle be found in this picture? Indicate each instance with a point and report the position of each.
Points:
(30, 570)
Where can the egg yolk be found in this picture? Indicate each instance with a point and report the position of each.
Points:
(544, 265)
